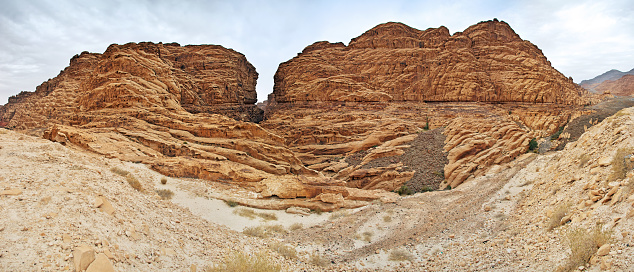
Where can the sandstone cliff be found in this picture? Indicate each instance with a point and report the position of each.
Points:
(155, 104)
(487, 62)
(337, 106)
(195, 78)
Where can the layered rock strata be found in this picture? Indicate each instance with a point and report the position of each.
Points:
(487, 62)
(338, 105)
(156, 104)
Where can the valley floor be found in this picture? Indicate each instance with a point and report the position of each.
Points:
(53, 199)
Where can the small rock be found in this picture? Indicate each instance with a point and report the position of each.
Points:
(378, 251)
(487, 208)
(82, 257)
(108, 253)
(98, 202)
(606, 263)
(106, 206)
(605, 161)
(101, 264)
(330, 198)
(10, 192)
(298, 210)
(604, 250)
(451, 236)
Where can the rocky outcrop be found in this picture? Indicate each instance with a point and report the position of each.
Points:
(623, 86)
(194, 78)
(487, 62)
(156, 104)
(337, 105)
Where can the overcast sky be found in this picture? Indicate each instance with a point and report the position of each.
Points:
(582, 39)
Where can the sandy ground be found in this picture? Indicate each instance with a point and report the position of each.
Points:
(49, 195)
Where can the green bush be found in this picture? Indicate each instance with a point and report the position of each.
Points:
(532, 145)
(556, 135)
(404, 190)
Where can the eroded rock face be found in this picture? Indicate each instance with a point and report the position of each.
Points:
(154, 104)
(488, 62)
(194, 78)
(339, 107)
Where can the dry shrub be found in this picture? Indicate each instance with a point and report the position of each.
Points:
(264, 231)
(248, 213)
(296, 226)
(367, 236)
(163, 180)
(621, 164)
(318, 260)
(258, 231)
(583, 244)
(287, 251)
(251, 214)
(400, 255)
(583, 160)
(119, 171)
(134, 182)
(339, 214)
(165, 194)
(267, 216)
(560, 211)
(387, 219)
(239, 262)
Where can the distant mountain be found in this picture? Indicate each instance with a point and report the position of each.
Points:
(613, 74)
(623, 86)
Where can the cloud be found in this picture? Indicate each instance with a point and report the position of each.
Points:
(37, 38)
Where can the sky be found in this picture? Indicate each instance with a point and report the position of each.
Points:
(582, 39)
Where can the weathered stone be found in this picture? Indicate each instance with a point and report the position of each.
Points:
(298, 210)
(330, 198)
(108, 253)
(101, 264)
(604, 250)
(605, 161)
(11, 192)
(83, 256)
(98, 202)
(105, 206)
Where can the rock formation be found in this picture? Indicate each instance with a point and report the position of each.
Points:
(623, 86)
(155, 104)
(488, 62)
(341, 118)
(492, 91)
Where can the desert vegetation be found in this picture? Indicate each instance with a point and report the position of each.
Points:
(558, 214)
(583, 244)
(165, 194)
(240, 262)
(252, 214)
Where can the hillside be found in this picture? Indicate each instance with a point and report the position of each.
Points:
(591, 84)
(624, 86)
(516, 217)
